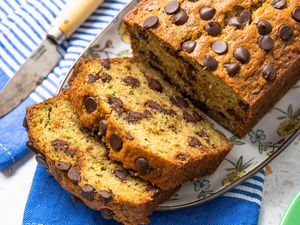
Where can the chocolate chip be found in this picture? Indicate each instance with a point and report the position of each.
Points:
(115, 101)
(25, 125)
(115, 142)
(87, 192)
(192, 0)
(188, 117)
(169, 112)
(142, 165)
(241, 54)
(232, 68)
(265, 42)
(286, 32)
(197, 117)
(151, 22)
(129, 136)
(236, 21)
(194, 142)
(74, 174)
(180, 18)
(106, 63)
(269, 72)
(121, 174)
(264, 27)
(188, 46)
(192, 118)
(102, 128)
(181, 156)
(172, 7)
(117, 104)
(105, 196)
(213, 28)
(131, 81)
(210, 63)
(107, 214)
(134, 117)
(90, 104)
(106, 78)
(153, 105)
(62, 165)
(246, 16)
(278, 4)
(244, 106)
(296, 14)
(60, 145)
(91, 79)
(147, 113)
(41, 160)
(219, 47)
(155, 84)
(70, 152)
(179, 101)
(207, 13)
(85, 130)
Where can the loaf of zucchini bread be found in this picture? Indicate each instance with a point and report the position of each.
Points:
(79, 162)
(234, 59)
(148, 126)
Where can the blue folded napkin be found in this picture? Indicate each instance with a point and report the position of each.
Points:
(49, 204)
(23, 23)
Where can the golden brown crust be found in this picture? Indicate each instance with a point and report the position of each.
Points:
(129, 213)
(165, 173)
(248, 85)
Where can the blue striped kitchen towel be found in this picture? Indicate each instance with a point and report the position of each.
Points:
(23, 23)
(49, 204)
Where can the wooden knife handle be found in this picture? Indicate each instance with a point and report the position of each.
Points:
(74, 14)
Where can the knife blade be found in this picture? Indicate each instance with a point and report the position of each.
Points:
(46, 56)
(38, 65)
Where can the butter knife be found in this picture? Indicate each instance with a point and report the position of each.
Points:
(46, 56)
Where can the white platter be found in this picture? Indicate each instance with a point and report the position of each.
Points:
(268, 138)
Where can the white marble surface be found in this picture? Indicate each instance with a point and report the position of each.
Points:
(282, 184)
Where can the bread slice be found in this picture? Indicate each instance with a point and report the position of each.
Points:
(147, 124)
(236, 59)
(79, 163)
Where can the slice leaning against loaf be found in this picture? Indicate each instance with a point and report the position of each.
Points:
(147, 124)
(79, 163)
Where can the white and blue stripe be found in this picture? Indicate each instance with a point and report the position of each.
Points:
(250, 190)
(25, 22)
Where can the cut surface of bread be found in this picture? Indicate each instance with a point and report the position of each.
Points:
(79, 162)
(235, 58)
(147, 124)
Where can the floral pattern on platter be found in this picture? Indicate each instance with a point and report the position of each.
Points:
(269, 136)
(237, 170)
(259, 136)
(290, 120)
(203, 188)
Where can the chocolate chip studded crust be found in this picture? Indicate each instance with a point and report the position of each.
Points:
(54, 132)
(159, 120)
(236, 97)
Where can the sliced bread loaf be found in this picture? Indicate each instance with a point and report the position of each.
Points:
(146, 123)
(79, 163)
